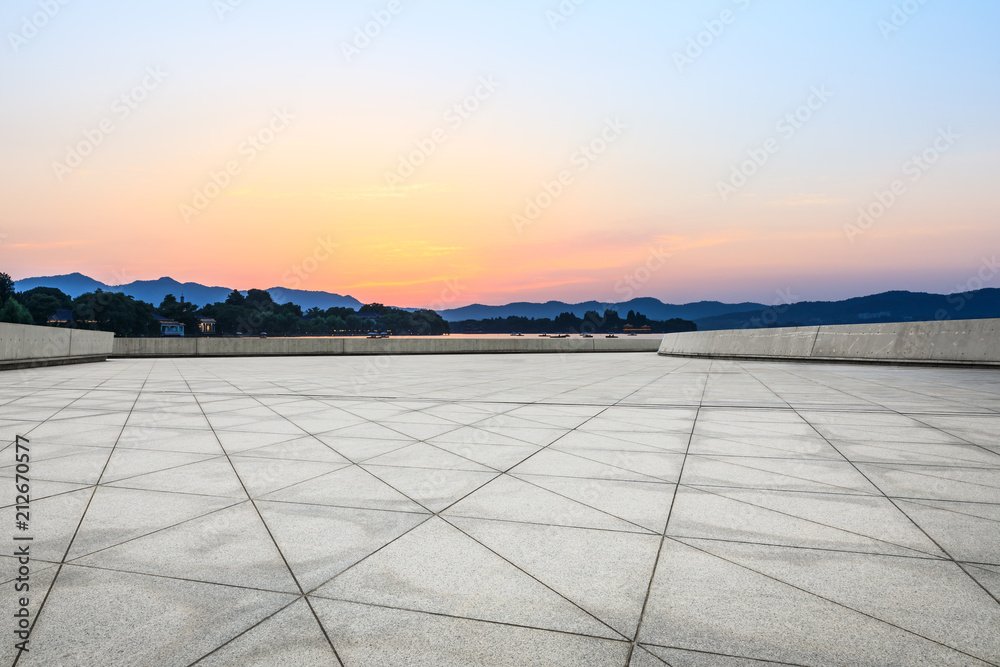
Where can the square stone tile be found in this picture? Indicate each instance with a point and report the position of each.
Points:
(507, 509)
(98, 617)
(702, 602)
(368, 635)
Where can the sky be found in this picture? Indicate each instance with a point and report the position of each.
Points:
(445, 152)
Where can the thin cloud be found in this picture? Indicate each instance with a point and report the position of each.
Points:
(47, 246)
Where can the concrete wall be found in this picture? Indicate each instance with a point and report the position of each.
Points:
(944, 342)
(23, 346)
(252, 347)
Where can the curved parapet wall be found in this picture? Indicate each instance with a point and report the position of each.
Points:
(973, 342)
(24, 346)
(262, 347)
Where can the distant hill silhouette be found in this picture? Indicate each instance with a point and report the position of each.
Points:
(73, 284)
(309, 299)
(153, 291)
(652, 308)
(898, 306)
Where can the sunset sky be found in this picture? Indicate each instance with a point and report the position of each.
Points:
(263, 143)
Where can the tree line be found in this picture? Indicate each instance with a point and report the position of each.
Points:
(256, 312)
(250, 314)
(591, 322)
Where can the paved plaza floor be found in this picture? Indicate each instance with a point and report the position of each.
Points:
(586, 509)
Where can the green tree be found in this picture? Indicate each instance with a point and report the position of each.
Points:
(250, 321)
(375, 309)
(185, 313)
(335, 324)
(114, 311)
(676, 324)
(255, 314)
(259, 299)
(339, 311)
(396, 321)
(235, 298)
(567, 322)
(612, 320)
(428, 322)
(14, 312)
(43, 302)
(228, 317)
(280, 322)
(290, 308)
(316, 326)
(354, 323)
(6, 288)
(592, 322)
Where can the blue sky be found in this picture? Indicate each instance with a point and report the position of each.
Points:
(657, 187)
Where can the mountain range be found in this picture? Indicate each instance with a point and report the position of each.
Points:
(893, 306)
(896, 306)
(651, 308)
(153, 291)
